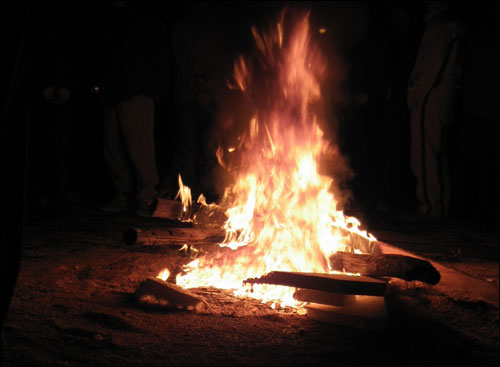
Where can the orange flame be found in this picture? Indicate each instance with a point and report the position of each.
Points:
(164, 274)
(282, 215)
(184, 194)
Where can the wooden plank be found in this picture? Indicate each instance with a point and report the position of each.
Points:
(325, 298)
(168, 209)
(335, 283)
(212, 215)
(367, 313)
(173, 295)
(392, 265)
(172, 236)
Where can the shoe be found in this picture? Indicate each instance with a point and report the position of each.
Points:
(144, 208)
(121, 203)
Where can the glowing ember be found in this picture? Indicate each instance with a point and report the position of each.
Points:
(282, 214)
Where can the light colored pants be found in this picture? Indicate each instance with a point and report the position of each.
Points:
(430, 122)
(129, 147)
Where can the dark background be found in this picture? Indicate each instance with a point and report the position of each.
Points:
(376, 41)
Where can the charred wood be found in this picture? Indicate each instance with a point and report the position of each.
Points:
(168, 209)
(397, 266)
(172, 236)
(211, 215)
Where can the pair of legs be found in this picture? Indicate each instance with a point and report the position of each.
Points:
(429, 129)
(129, 148)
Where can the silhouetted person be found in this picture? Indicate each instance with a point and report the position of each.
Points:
(199, 45)
(404, 35)
(367, 131)
(133, 76)
(55, 58)
(432, 92)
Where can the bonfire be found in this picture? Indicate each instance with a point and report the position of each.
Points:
(281, 212)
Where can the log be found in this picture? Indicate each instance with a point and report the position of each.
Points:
(172, 236)
(211, 215)
(367, 313)
(172, 294)
(454, 284)
(324, 298)
(397, 266)
(335, 283)
(360, 243)
(168, 209)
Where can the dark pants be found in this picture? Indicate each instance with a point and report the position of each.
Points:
(129, 147)
(52, 154)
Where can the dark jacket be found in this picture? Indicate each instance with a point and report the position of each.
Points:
(439, 60)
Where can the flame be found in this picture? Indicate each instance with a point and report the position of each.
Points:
(282, 214)
(164, 274)
(184, 194)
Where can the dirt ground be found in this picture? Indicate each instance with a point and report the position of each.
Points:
(73, 305)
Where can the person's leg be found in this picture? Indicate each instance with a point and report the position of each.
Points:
(438, 115)
(137, 123)
(187, 151)
(417, 154)
(117, 160)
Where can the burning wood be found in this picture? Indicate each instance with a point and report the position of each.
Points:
(397, 266)
(168, 209)
(172, 294)
(172, 236)
(335, 283)
(201, 214)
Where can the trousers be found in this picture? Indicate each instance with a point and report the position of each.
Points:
(430, 122)
(129, 148)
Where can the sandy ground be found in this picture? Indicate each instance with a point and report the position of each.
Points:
(73, 305)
